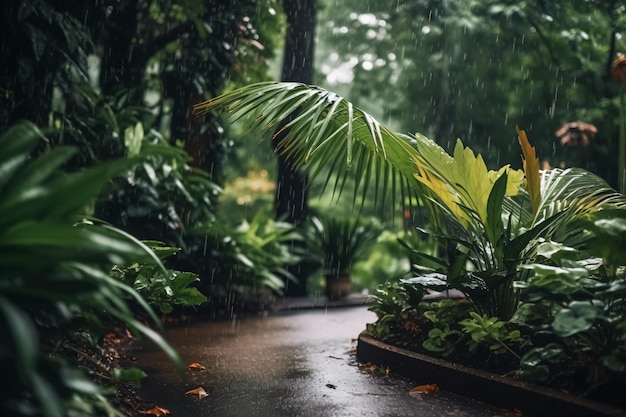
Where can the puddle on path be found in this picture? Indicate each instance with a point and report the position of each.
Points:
(289, 364)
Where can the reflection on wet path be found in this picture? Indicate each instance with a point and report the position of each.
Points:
(290, 364)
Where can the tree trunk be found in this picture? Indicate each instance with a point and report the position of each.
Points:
(291, 191)
(117, 71)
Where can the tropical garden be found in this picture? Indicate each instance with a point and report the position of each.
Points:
(129, 193)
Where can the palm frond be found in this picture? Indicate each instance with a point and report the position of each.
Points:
(318, 129)
(576, 188)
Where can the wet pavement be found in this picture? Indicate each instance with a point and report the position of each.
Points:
(292, 364)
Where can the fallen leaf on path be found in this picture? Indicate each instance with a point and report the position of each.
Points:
(200, 392)
(368, 367)
(510, 413)
(425, 388)
(197, 366)
(156, 411)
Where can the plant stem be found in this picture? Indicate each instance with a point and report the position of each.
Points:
(509, 349)
(621, 155)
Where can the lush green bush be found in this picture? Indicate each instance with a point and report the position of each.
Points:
(249, 257)
(55, 282)
(574, 304)
(161, 288)
(162, 197)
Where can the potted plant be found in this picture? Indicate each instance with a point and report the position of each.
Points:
(338, 243)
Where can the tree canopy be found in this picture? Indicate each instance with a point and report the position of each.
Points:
(475, 69)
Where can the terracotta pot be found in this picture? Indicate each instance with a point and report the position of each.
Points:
(338, 286)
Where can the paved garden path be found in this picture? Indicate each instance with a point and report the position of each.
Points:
(286, 364)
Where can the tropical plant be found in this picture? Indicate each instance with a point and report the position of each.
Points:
(444, 315)
(251, 256)
(163, 197)
(574, 301)
(394, 303)
(55, 282)
(491, 332)
(492, 221)
(340, 242)
(162, 289)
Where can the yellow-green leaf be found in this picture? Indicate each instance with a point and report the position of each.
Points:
(531, 169)
(440, 188)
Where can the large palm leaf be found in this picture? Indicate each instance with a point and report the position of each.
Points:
(326, 131)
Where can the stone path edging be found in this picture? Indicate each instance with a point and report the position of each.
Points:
(483, 386)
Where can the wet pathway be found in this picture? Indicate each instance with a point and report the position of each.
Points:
(287, 364)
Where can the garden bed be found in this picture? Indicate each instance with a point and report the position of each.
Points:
(480, 385)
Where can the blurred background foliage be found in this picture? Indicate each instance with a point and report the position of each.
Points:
(474, 69)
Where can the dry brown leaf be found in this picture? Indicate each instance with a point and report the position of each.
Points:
(510, 413)
(426, 388)
(197, 366)
(368, 367)
(156, 411)
(200, 392)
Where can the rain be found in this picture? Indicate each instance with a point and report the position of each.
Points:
(262, 189)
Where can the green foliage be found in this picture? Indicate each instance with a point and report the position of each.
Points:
(393, 303)
(163, 197)
(492, 228)
(576, 300)
(488, 223)
(132, 375)
(93, 70)
(45, 47)
(252, 255)
(446, 312)
(340, 242)
(578, 317)
(539, 363)
(383, 326)
(393, 297)
(163, 289)
(608, 234)
(431, 65)
(490, 332)
(439, 340)
(444, 316)
(54, 274)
